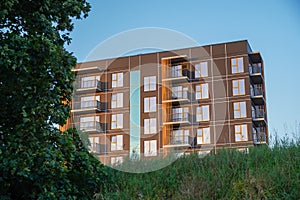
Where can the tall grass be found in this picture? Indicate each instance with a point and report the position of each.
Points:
(263, 173)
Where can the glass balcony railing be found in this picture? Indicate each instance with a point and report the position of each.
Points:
(181, 117)
(257, 92)
(92, 84)
(255, 69)
(258, 114)
(91, 104)
(93, 126)
(181, 95)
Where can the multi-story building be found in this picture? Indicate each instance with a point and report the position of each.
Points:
(196, 99)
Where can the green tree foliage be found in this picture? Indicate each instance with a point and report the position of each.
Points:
(37, 161)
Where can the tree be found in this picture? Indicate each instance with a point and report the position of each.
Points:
(37, 161)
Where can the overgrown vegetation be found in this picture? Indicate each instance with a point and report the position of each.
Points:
(263, 173)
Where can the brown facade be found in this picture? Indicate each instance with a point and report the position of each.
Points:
(205, 98)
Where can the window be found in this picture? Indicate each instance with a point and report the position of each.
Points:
(116, 143)
(117, 80)
(202, 113)
(94, 144)
(150, 83)
(240, 133)
(180, 114)
(89, 123)
(237, 65)
(179, 92)
(150, 126)
(150, 148)
(202, 91)
(239, 109)
(180, 137)
(117, 121)
(117, 100)
(203, 135)
(89, 81)
(116, 160)
(201, 70)
(150, 104)
(238, 87)
(89, 101)
(176, 71)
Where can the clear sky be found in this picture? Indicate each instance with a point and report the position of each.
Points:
(271, 27)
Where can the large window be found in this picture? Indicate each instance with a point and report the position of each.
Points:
(239, 109)
(203, 135)
(237, 65)
(116, 121)
(201, 70)
(176, 71)
(150, 104)
(180, 137)
(116, 143)
(150, 126)
(241, 133)
(89, 81)
(89, 123)
(149, 83)
(238, 87)
(150, 148)
(180, 114)
(117, 100)
(202, 91)
(94, 144)
(179, 92)
(117, 80)
(202, 113)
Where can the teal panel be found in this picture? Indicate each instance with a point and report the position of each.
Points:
(135, 114)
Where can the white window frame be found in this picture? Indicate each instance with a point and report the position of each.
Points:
(116, 143)
(117, 100)
(149, 104)
(241, 133)
(150, 126)
(238, 87)
(117, 80)
(202, 113)
(239, 109)
(149, 83)
(237, 65)
(201, 69)
(116, 121)
(150, 148)
(203, 135)
(202, 91)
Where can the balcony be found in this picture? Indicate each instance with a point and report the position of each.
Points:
(180, 118)
(259, 138)
(179, 96)
(91, 86)
(257, 96)
(93, 127)
(88, 106)
(177, 75)
(258, 117)
(255, 71)
(99, 148)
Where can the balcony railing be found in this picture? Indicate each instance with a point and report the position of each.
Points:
(174, 74)
(93, 126)
(181, 95)
(258, 114)
(259, 136)
(92, 84)
(257, 92)
(255, 69)
(181, 117)
(99, 148)
(89, 105)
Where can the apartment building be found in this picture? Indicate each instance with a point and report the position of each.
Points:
(196, 99)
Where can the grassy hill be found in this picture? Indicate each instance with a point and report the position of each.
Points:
(263, 173)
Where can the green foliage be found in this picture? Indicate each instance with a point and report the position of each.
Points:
(264, 173)
(37, 161)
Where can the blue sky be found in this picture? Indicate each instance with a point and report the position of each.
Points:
(271, 27)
